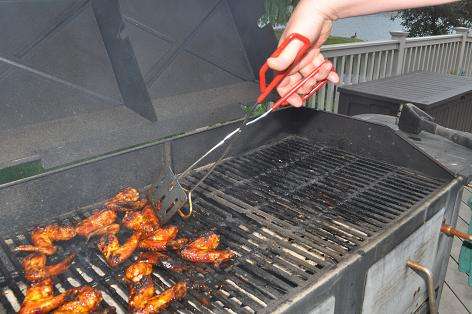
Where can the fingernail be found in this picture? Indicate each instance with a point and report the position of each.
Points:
(333, 77)
(298, 102)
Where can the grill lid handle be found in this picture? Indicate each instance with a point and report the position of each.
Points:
(451, 231)
(428, 275)
(414, 120)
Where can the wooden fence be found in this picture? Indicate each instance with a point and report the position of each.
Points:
(366, 61)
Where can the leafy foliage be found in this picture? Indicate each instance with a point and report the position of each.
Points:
(17, 172)
(258, 110)
(436, 20)
(277, 12)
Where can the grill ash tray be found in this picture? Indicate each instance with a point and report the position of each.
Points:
(291, 211)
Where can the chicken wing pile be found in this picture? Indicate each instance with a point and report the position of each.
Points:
(142, 231)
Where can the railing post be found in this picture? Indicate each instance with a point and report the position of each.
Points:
(464, 31)
(401, 38)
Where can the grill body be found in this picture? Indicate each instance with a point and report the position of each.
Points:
(309, 208)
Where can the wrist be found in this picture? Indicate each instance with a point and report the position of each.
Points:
(328, 9)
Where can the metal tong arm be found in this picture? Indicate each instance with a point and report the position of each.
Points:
(266, 89)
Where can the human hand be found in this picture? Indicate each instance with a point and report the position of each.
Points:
(313, 19)
(314, 22)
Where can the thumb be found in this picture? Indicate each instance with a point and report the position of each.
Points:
(286, 58)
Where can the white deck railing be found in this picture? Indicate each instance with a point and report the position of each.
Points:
(366, 61)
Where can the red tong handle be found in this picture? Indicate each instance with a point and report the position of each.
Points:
(266, 89)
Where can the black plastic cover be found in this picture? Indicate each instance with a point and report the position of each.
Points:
(447, 98)
(62, 89)
(424, 89)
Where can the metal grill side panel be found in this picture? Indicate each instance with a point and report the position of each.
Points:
(392, 287)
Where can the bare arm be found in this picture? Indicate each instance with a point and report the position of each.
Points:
(348, 8)
(314, 19)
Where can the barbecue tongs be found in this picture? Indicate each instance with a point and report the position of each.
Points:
(168, 197)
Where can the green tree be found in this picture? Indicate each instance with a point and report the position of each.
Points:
(277, 12)
(436, 20)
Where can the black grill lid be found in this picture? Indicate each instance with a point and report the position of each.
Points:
(62, 90)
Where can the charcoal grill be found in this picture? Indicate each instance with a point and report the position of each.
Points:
(322, 210)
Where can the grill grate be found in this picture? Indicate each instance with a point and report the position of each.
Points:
(291, 211)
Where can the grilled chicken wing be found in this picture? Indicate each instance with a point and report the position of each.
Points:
(136, 271)
(203, 250)
(115, 253)
(35, 266)
(43, 239)
(97, 221)
(161, 260)
(111, 229)
(215, 257)
(143, 266)
(40, 298)
(145, 220)
(207, 242)
(159, 239)
(152, 257)
(140, 292)
(86, 301)
(161, 301)
(126, 199)
(143, 298)
(177, 244)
